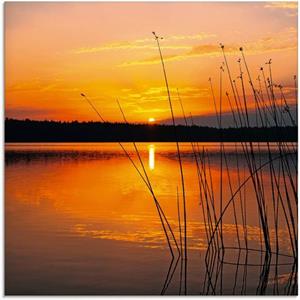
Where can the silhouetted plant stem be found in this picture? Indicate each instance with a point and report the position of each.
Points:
(179, 160)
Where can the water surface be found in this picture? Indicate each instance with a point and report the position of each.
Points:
(80, 220)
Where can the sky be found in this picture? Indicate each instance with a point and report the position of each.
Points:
(56, 51)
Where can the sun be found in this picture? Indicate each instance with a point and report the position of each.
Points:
(151, 120)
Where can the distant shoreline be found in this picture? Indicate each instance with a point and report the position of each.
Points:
(26, 131)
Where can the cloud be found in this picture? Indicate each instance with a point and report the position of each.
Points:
(150, 99)
(184, 91)
(283, 5)
(290, 8)
(147, 43)
(30, 112)
(200, 36)
(227, 119)
(153, 100)
(196, 51)
(284, 40)
(38, 86)
(125, 46)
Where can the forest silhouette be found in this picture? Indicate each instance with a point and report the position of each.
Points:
(57, 131)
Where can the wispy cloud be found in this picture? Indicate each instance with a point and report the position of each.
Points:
(153, 100)
(184, 91)
(38, 86)
(290, 8)
(285, 40)
(147, 43)
(143, 100)
(200, 36)
(283, 5)
(125, 46)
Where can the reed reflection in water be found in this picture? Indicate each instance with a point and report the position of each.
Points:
(77, 224)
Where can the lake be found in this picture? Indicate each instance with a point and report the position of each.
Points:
(80, 220)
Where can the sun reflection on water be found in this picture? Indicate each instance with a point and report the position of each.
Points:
(151, 157)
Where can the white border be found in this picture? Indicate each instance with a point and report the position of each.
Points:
(2, 174)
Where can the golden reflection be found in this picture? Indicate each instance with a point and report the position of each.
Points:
(150, 235)
(53, 193)
(151, 157)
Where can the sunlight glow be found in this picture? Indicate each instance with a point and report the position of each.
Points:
(45, 82)
(151, 157)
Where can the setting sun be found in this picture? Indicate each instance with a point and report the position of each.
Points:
(151, 120)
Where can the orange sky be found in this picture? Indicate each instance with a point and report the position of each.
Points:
(55, 51)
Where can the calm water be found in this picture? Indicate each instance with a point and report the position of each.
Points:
(79, 220)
